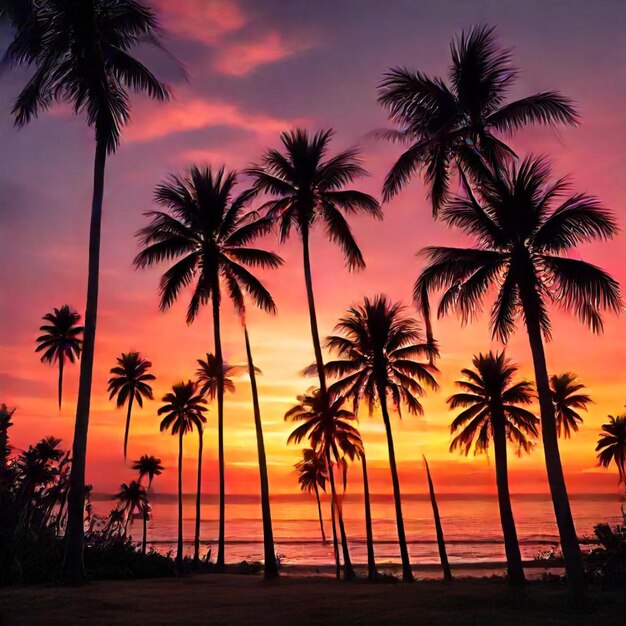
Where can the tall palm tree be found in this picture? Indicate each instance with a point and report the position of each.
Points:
(378, 353)
(196, 537)
(61, 340)
(148, 465)
(312, 476)
(129, 382)
(132, 498)
(457, 125)
(183, 411)
(81, 54)
(567, 398)
(372, 572)
(491, 400)
(612, 445)
(523, 224)
(309, 187)
(204, 227)
(328, 428)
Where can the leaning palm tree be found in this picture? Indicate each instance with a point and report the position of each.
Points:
(491, 400)
(130, 381)
(148, 465)
(308, 188)
(131, 498)
(327, 427)
(61, 340)
(183, 411)
(457, 125)
(612, 445)
(567, 398)
(312, 477)
(378, 348)
(523, 224)
(206, 230)
(81, 54)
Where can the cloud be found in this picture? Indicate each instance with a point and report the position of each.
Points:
(239, 59)
(194, 113)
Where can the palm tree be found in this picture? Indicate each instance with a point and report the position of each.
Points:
(81, 52)
(312, 477)
(207, 376)
(183, 411)
(612, 445)
(566, 397)
(129, 382)
(327, 426)
(196, 538)
(491, 401)
(308, 188)
(521, 238)
(441, 542)
(132, 498)
(457, 125)
(378, 349)
(61, 340)
(148, 465)
(205, 228)
(372, 572)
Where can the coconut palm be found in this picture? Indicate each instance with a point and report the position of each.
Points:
(183, 410)
(312, 476)
(207, 376)
(491, 399)
(378, 348)
(130, 381)
(327, 427)
(148, 465)
(132, 499)
(308, 187)
(612, 445)
(205, 229)
(81, 55)
(567, 398)
(523, 225)
(372, 572)
(457, 124)
(61, 340)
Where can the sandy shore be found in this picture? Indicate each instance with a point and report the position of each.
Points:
(293, 600)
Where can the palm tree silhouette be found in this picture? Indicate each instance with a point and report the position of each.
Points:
(309, 187)
(312, 477)
(520, 241)
(132, 497)
(81, 52)
(129, 382)
(372, 572)
(566, 397)
(327, 427)
(205, 228)
(207, 376)
(491, 401)
(378, 349)
(612, 445)
(148, 465)
(456, 125)
(61, 340)
(183, 411)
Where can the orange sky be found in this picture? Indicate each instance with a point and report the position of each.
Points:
(254, 71)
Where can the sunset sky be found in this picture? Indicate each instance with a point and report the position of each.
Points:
(255, 69)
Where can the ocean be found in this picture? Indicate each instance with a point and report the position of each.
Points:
(470, 522)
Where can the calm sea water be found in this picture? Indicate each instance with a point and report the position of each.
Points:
(471, 526)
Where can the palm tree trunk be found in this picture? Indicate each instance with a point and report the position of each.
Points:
(196, 543)
(407, 574)
(348, 570)
(219, 361)
(441, 542)
(145, 533)
(131, 397)
(319, 513)
(334, 528)
(515, 569)
(271, 567)
(179, 548)
(372, 574)
(315, 335)
(61, 364)
(73, 566)
(574, 569)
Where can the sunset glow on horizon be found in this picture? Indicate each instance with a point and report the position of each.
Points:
(255, 71)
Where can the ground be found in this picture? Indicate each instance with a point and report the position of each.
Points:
(230, 599)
